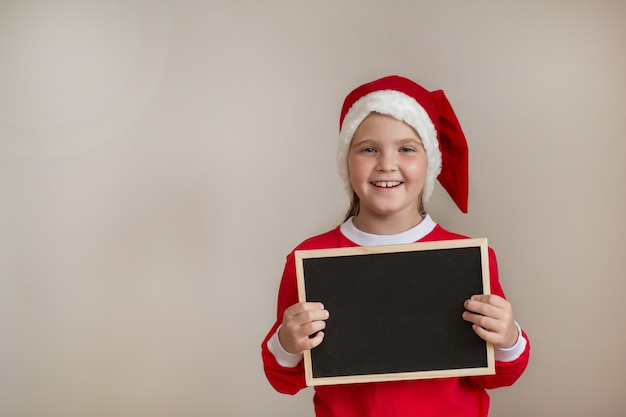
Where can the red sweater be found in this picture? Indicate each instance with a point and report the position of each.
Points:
(448, 397)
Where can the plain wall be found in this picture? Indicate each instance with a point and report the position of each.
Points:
(159, 159)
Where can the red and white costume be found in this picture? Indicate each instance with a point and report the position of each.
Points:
(450, 397)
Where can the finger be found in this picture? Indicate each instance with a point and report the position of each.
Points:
(311, 336)
(497, 339)
(487, 323)
(479, 307)
(492, 306)
(310, 316)
(497, 331)
(301, 307)
(492, 299)
(313, 341)
(303, 313)
(482, 333)
(311, 329)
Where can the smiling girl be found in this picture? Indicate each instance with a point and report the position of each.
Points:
(395, 139)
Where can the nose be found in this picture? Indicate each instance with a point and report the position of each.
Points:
(387, 162)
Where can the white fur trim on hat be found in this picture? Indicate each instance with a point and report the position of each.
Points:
(399, 106)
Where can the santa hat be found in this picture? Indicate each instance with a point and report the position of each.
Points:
(432, 117)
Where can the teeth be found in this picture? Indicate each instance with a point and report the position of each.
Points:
(386, 184)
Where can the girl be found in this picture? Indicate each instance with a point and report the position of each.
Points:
(395, 139)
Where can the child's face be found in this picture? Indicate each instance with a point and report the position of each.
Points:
(387, 167)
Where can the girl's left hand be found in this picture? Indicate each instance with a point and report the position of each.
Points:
(492, 318)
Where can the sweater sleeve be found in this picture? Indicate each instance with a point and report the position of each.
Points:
(286, 380)
(506, 372)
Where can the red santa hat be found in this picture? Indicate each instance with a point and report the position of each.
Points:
(432, 117)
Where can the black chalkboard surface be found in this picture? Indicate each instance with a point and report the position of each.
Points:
(395, 311)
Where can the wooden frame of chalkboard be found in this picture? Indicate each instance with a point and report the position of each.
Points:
(395, 311)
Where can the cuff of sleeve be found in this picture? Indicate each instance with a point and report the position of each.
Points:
(284, 358)
(515, 351)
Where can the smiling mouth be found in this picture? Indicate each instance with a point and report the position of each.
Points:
(386, 184)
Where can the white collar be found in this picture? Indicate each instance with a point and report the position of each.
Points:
(367, 239)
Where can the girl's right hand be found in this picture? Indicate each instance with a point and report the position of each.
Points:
(300, 321)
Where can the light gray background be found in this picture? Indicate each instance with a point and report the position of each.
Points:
(159, 159)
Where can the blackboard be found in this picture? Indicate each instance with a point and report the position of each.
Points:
(395, 311)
